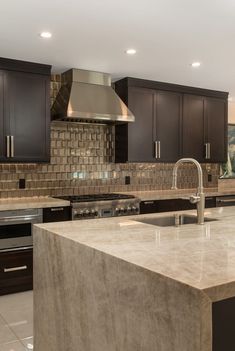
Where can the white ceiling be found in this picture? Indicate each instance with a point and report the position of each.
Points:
(93, 34)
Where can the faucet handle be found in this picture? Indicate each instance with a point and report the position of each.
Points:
(194, 199)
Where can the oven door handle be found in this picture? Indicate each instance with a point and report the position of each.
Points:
(21, 218)
(226, 200)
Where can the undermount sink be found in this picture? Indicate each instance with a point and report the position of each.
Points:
(173, 220)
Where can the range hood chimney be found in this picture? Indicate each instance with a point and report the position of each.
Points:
(87, 96)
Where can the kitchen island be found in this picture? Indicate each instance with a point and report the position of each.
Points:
(118, 284)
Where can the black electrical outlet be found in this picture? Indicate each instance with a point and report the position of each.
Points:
(22, 183)
(209, 177)
(127, 180)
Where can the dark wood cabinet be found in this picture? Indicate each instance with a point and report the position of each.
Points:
(16, 271)
(2, 134)
(168, 108)
(140, 135)
(172, 121)
(25, 94)
(204, 135)
(168, 205)
(223, 321)
(193, 127)
(216, 129)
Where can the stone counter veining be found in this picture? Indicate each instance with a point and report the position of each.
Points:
(117, 284)
(31, 202)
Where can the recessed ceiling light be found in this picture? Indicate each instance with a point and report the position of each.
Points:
(46, 35)
(196, 64)
(130, 51)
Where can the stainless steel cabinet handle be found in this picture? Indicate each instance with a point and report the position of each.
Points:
(14, 269)
(209, 150)
(156, 149)
(12, 146)
(148, 202)
(159, 149)
(206, 154)
(57, 209)
(8, 146)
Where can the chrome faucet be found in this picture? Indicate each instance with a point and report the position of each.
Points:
(199, 198)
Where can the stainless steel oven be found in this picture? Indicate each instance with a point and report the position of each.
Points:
(16, 228)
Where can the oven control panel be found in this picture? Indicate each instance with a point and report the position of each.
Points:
(105, 209)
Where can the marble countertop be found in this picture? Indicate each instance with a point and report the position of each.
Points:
(199, 256)
(151, 195)
(31, 202)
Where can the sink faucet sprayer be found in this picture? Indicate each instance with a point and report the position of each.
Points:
(199, 198)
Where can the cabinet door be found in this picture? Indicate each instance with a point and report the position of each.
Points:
(27, 110)
(168, 119)
(140, 133)
(2, 134)
(216, 130)
(193, 127)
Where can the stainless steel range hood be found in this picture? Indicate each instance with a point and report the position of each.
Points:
(87, 96)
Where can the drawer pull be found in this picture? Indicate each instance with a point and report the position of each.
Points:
(148, 202)
(14, 269)
(57, 209)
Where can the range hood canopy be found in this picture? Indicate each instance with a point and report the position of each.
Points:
(87, 96)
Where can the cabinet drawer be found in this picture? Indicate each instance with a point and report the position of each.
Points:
(16, 271)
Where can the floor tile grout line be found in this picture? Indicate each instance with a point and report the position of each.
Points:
(7, 324)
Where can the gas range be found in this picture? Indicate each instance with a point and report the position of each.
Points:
(102, 205)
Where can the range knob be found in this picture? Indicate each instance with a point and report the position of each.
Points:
(121, 210)
(117, 210)
(78, 214)
(94, 212)
(128, 209)
(134, 209)
(85, 213)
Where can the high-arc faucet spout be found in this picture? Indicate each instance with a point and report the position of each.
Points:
(199, 199)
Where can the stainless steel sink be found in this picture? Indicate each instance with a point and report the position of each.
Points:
(173, 220)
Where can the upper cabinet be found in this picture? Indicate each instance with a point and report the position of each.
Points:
(168, 106)
(216, 132)
(24, 111)
(204, 135)
(193, 127)
(138, 135)
(172, 121)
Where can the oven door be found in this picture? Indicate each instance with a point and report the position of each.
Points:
(16, 228)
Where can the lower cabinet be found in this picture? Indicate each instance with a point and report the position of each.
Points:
(158, 206)
(223, 322)
(16, 271)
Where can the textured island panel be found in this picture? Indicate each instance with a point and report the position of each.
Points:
(87, 300)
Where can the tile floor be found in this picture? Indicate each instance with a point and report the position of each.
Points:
(16, 322)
